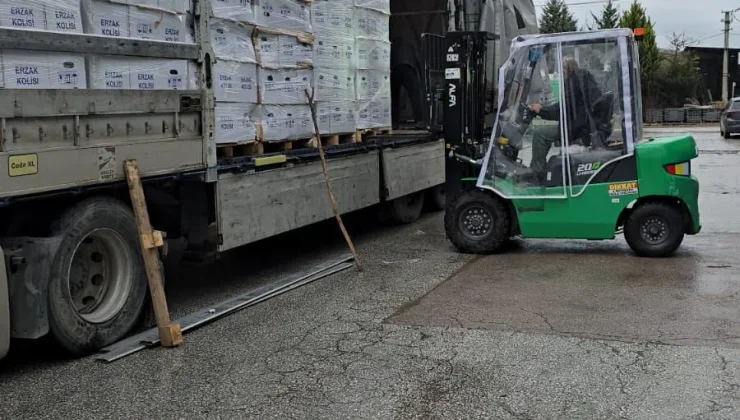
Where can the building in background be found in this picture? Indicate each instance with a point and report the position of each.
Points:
(710, 66)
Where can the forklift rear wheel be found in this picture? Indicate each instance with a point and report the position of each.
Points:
(407, 209)
(477, 222)
(654, 230)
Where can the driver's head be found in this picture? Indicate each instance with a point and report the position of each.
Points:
(569, 65)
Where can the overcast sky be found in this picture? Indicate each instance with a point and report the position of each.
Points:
(698, 19)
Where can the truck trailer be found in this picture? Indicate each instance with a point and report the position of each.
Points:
(90, 84)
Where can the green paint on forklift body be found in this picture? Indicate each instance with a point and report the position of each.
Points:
(595, 211)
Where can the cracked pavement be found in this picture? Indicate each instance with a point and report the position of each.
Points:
(549, 330)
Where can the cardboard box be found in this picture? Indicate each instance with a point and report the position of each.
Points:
(234, 123)
(267, 49)
(333, 18)
(158, 74)
(284, 86)
(374, 114)
(284, 14)
(337, 53)
(373, 54)
(104, 18)
(63, 16)
(372, 24)
(22, 14)
(241, 10)
(336, 117)
(66, 71)
(334, 85)
(285, 122)
(373, 85)
(25, 69)
(109, 72)
(158, 25)
(378, 5)
(294, 53)
(235, 81)
(274, 50)
(232, 41)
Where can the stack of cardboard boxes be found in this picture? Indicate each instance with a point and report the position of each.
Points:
(284, 46)
(268, 54)
(235, 72)
(372, 34)
(335, 65)
(163, 20)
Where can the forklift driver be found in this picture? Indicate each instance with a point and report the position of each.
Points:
(581, 91)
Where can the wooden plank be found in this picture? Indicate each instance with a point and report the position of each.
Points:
(169, 333)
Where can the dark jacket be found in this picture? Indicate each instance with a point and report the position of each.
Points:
(581, 92)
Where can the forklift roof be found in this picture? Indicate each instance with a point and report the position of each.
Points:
(524, 40)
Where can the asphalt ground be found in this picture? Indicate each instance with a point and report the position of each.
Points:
(547, 330)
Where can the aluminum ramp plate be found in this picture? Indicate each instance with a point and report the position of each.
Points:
(150, 338)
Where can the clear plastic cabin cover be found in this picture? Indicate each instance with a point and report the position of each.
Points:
(565, 112)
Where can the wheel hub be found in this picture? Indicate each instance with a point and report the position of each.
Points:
(100, 276)
(476, 222)
(654, 230)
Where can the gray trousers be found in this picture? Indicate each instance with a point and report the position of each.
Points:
(543, 138)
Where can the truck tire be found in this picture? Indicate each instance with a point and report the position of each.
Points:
(477, 222)
(654, 230)
(98, 283)
(407, 209)
(436, 197)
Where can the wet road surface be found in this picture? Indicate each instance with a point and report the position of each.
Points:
(564, 330)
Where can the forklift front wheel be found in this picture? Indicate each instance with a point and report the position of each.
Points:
(655, 230)
(476, 222)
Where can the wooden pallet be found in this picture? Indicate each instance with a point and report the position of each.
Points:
(364, 134)
(261, 147)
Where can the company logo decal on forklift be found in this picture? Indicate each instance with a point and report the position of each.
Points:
(587, 168)
(622, 188)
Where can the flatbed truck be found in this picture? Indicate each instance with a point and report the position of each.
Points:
(71, 265)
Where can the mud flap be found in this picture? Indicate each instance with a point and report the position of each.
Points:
(28, 262)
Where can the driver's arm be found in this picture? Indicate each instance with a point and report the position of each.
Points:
(550, 112)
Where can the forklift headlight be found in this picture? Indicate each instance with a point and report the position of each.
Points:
(503, 140)
(683, 169)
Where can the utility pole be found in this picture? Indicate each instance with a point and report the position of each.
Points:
(729, 15)
(726, 57)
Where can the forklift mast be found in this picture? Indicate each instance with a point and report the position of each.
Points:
(464, 107)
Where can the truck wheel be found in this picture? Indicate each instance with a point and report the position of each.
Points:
(654, 230)
(436, 197)
(97, 284)
(477, 222)
(407, 209)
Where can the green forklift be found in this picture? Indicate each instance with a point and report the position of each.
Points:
(565, 156)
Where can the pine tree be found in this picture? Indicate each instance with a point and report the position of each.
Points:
(636, 17)
(557, 18)
(609, 17)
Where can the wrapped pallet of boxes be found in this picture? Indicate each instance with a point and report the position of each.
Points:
(23, 69)
(284, 46)
(163, 20)
(235, 71)
(373, 74)
(334, 65)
